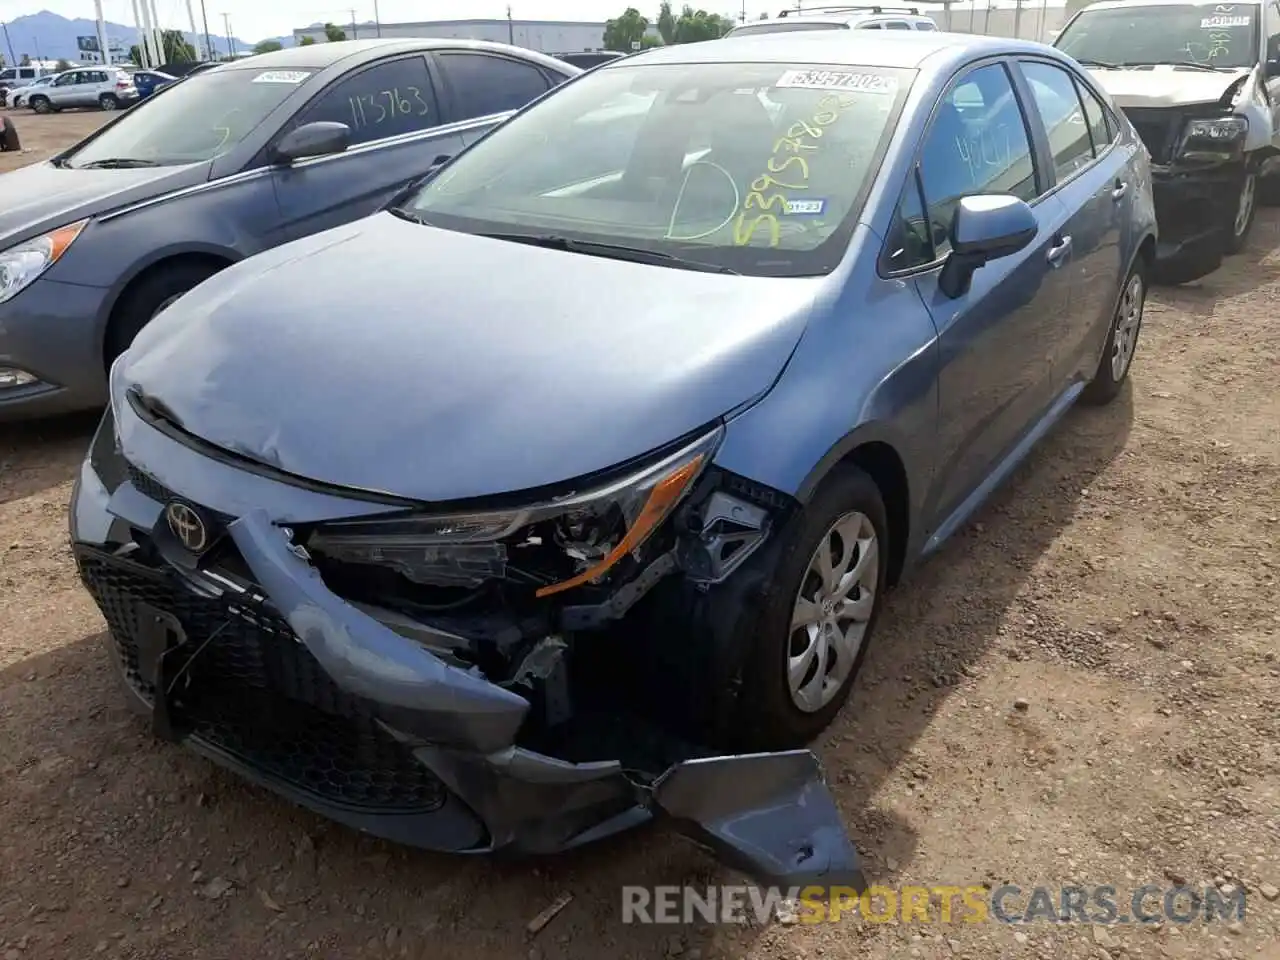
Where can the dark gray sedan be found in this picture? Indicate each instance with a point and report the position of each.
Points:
(225, 164)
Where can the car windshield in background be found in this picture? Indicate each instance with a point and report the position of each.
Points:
(198, 119)
(1225, 35)
(799, 25)
(756, 168)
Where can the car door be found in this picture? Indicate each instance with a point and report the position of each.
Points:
(995, 376)
(393, 112)
(1271, 65)
(62, 90)
(484, 88)
(1091, 179)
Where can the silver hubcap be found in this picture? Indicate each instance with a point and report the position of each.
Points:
(1128, 321)
(1245, 208)
(108, 103)
(831, 612)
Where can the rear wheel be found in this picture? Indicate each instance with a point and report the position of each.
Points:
(41, 104)
(1122, 339)
(108, 101)
(147, 298)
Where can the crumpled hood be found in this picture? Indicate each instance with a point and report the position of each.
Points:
(1164, 85)
(42, 197)
(393, 357)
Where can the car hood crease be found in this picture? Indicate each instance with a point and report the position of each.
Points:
(42, 197)
(433, 365)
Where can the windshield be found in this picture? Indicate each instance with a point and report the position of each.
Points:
(198, 119)
(787, 27)
(1225, 35)
(756, 167)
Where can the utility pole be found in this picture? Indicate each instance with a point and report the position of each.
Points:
(742, 17)
(102, 33)
(157, 35)
(208, 41)
(511, 27)
(195, 31)
(377, 20)
(231, 44)
(1017, 19)
(13, 61)
(355, 34)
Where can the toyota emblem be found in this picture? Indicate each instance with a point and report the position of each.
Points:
(187, 526)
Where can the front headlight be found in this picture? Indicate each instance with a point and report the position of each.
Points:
(1214, 139)
(21, 265)
(596, 529)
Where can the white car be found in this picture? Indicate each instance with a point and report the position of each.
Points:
(843, 17)
(18, 94)
(108, 88)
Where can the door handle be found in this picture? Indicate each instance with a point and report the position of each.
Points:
(1120, 190)
(1058, 252)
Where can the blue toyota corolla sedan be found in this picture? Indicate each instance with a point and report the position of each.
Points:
(565, 493)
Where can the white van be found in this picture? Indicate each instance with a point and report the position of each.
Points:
(20, 76)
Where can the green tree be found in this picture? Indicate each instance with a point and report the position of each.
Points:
(174, 49)
(666, 22)
(649, 40)
(695, 26)
(306, 41)
(334, 33)
(268, 46)
(621, 32)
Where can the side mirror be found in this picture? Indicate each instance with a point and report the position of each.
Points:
(317, 139)
(984, 228)
(1272, 69)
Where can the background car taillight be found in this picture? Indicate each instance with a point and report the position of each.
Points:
(122, 84)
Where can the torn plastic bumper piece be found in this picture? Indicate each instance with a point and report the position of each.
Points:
(769, 815)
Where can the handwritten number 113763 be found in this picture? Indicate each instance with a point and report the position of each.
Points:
(374, 108)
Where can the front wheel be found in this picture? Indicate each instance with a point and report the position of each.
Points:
(807, 642)
(108, 101)
(1122, 339)
(147, 298)
(41, 104)
(1244, 210)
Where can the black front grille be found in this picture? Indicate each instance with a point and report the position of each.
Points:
(149, 486)
(253, 690)
(1159, 130)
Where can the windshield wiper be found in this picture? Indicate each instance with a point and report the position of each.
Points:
(1171, 63)
(612, 251)
(406, 214)
(118, 163)
(1105, 64)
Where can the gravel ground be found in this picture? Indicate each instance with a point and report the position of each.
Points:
(1081, 688)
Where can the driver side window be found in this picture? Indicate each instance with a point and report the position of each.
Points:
(977, 143)
(385, 100)
(1273, 30)
(66, 80)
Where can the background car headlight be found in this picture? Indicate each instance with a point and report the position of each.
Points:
(21, 265)
(1215, 133)
(595, 529)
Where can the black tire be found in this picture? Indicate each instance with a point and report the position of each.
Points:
(40, 104)
(1269, 190)
(109, 101)
(767, 716)
(1106, 384)
(1238, 230)
(9, 141)
(148, 297)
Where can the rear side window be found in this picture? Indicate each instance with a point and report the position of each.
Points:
(482, 84)
(896, 25)
(386, 100)
(926, 25)
(1054, 93)
(1102, 132)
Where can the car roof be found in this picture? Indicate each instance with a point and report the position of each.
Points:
(1115, 4)
(319, 56)
(902, 49)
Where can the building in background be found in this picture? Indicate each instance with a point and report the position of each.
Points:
(547, 36)
(90, 51)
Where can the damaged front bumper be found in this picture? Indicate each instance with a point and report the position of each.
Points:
(260, 667)
(1191, 209)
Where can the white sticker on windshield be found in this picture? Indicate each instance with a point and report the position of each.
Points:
(838, 80)
(281, 76)
(806, 208)
(1213, 23)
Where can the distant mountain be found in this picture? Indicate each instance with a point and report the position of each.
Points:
(47, 36)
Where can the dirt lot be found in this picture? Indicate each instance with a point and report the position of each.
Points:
(1083, 688)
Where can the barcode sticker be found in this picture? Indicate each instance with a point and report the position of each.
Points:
(838, 80)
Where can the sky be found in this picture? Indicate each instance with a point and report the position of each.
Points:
(254, 19)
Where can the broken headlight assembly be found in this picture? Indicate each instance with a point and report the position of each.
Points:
(550, 546)
(1214, 138)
